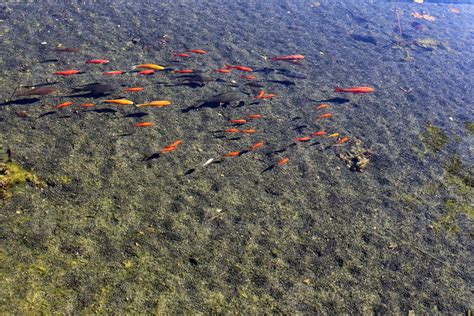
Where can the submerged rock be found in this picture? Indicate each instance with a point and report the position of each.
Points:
(356, 158)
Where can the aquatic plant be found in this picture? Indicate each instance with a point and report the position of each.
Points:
(433, 138)
(11, 175)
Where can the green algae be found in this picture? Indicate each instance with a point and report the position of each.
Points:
(469, 127)
(430, 44)
(433, 138)
(12, 175)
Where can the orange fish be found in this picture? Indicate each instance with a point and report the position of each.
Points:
(248, 131)
(239, 67)
(86, 105)
(322, 106)
(240, 121)
(342, 140)
(289, 57)
(97, 61)
(356, 89)
(320, 133)
(197, 51)
(183, 71)
(181, 55)
(231, 130)
(143, 124)
(257, 145)
(113, 72)
(249, 77)
(254, 116)
(67, 72)
(175, 143)
(282, 161)
(268, 96)
(325, 116)
(150, 66)
(119, 101)
(63, 105)
(223, 70)
(260, 94)
(146, 72)
(333, 135)
(232, 154)
(303, 139)
(168, 149)
(133, 89)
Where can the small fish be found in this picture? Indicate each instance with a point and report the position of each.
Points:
(97, 61)
(150, 66)
(133, 89)
(325, 116)
(63, 105)
(67, 49)
(181, 55)
(36, 91)
(249, 77)
(283, 161)
(231, 130)
(143, 124)
(355, 89)
(257, 145)
(268, 96)
(208, 162)
(260, 94)
(87, 105)
(232, 154)
(303, 139)
(158, 103)
(146, 72)
(67, 72)
(223, 70)
(248, 131)
(320, 133)
(333, 135)
(239, 67)
(342, 140)
(113, 72)
(183, 71)
(238, 121)
(197, 51)
(289, 57)
(119, 101)
(175, 143)
(322, 106)
(254, 116)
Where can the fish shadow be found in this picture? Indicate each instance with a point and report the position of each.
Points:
(333, 100)
(23, 101)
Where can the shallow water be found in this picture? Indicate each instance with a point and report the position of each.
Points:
(110, 225)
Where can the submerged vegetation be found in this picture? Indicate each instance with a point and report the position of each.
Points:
(433, 138)
(12, 175)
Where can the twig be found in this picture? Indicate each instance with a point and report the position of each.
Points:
(397, 12)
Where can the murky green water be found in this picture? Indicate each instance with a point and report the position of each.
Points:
(94, 219)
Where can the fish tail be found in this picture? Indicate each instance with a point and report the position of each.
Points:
(338, 89)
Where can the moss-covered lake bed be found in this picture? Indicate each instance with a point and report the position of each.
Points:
(93, 220)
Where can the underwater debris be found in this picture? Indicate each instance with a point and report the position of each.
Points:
(11, 175)
(356, 158)
(430, 44)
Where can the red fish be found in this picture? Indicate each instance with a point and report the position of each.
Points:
(197, 51)
(325, 116)
(231, 130)
(143, 124)
(260, 94)
(97, 61)
(283, 161)
(181, 55)
(232, 154)
(176, 143)
(183, 71)
(303, 139)
(320, 133)
(67, 72)
(289, 57)
(257, 145)
(322, 106)
(146, 72)
(356, 89)
(249, 77)
(113, 72)
(239, 121)
(87, 105)
(133, 89)
(168, 149)
(239, 67)
(223, 70)
(342, 140)
(63, 105)
(254, 116)
(248, 131)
